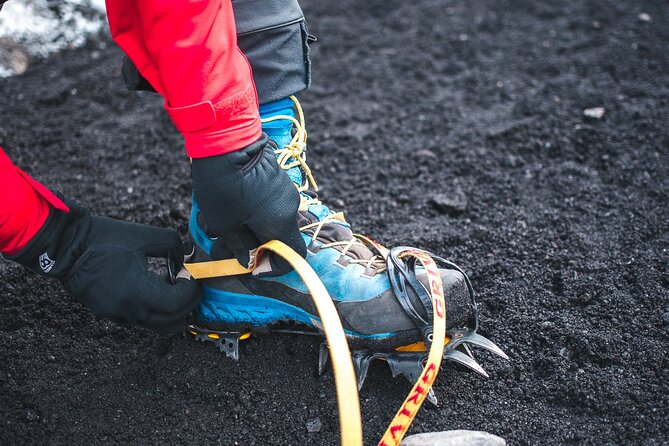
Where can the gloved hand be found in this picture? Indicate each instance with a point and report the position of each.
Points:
(247, 199)
(103, 262)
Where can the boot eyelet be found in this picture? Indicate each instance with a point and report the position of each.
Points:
(313, 248)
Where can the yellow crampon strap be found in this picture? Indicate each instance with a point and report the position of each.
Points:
(216, 268)
(347, 390)
(345, 382)
(407, 412)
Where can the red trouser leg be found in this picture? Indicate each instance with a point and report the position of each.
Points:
(187, 49)
(24, 206)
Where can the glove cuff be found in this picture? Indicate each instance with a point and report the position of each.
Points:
(58, 244)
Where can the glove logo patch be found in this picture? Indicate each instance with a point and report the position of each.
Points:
(46, 263)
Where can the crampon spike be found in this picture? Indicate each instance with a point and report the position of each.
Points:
(474, 338)
(361, 360)
(407, 364)
(227, 342)
(467, 361)
(410, 363)
(468, 350)
(431, 397)
(323, 355)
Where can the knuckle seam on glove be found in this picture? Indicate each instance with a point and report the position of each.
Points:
(253, 162)
(80, 261)
(167, 247)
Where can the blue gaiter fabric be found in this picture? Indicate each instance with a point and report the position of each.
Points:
(279, 131)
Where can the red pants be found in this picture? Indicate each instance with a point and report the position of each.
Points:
(187, 50)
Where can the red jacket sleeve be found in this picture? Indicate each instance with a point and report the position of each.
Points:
(187, 50)
(24, 206)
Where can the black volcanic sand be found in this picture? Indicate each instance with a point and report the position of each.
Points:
(564, 233)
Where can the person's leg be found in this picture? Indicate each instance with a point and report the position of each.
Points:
(187, 50)
(373, 309)
(273, 36)
(180, 48)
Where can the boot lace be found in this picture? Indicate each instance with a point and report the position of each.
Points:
(294, 155)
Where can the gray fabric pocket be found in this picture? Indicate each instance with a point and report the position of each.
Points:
(275, 39)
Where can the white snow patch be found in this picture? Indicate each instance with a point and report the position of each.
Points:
(41, 27)
(644, 17)
(594, 112)
(99, 5)
(5, 72)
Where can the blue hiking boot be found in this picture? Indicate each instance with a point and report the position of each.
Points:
(381, 312)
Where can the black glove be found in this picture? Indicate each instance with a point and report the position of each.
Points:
(103, 262)
(247, 199)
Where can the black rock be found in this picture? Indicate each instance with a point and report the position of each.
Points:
(450, 203)
(314, 425)
(665, 318)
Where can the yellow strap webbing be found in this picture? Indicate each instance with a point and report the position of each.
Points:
(345, 382)
(347, 390)
(408, 410)
(216, 268)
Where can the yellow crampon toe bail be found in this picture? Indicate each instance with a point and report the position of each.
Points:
(350, 421)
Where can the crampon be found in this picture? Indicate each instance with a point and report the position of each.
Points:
(386, 301)
(406, 360)
(409, 360)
